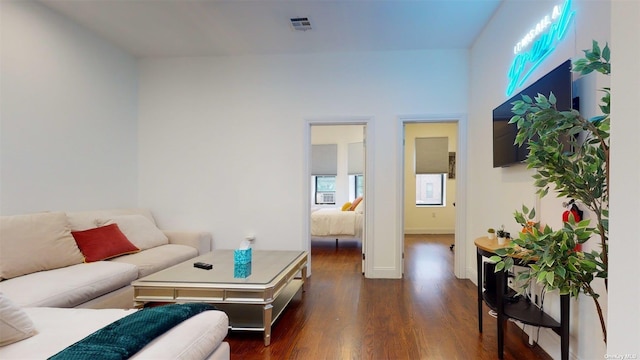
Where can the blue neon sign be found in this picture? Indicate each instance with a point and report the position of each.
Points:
(557, 25)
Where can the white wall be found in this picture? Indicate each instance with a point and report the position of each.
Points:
(428, 219)
(222, 139)
(495, 193)
(68, 110)
(624, 249)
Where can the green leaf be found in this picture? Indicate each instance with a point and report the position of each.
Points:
(499, 266)
(550, 277)
(584, 223)
(550, 261)
(534, 267)
(523, 276)
(495, 259)
(578, 65)
(591, 57)
(501, 252)
(508, 263)
(544, 192)
(606, 53)
(588, 265)
(572, 267)
(595, 48)
(541, 276)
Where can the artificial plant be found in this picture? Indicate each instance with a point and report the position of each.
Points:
(581, 174)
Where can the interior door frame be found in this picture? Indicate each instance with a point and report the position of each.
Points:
(461, 184)
(367, 235)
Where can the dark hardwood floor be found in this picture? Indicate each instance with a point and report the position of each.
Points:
(429, 314)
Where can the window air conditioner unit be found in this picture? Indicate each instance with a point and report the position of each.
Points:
(326, 198)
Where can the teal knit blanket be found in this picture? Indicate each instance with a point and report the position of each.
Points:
(124, 337)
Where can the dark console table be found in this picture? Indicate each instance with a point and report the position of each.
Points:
(521, 310)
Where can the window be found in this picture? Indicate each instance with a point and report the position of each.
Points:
(430, 189)
(359, 185)
(325, 190)
(356, 186)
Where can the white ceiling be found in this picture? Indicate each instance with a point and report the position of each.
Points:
(168, 28)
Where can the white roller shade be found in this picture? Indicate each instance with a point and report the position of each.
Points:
(432, 155)
(324, 159)
(356, 158)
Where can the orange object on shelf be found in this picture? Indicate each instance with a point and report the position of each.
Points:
(529, 227)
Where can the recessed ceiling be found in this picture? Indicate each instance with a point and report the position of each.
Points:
(170, 28)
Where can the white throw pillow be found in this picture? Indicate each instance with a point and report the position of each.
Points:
(36, 242)
(138, 229)
(15, 325)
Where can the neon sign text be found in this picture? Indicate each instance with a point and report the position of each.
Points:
(557, 26)
(537, 30)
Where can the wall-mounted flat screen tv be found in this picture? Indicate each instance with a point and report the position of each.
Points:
(558, 81)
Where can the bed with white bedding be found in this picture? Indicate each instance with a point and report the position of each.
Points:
(335, 223)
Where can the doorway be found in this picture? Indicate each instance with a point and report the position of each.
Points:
(435, 213)
(342, 185)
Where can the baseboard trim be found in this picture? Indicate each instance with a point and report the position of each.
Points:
(472, 274)
(429, 231)
(384, 273)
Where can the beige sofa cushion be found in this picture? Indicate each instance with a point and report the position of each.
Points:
(36, 242)
(141, 231)
(158, 258)
(69, 286)
(83, 220)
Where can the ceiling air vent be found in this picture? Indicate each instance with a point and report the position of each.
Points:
(301, 23)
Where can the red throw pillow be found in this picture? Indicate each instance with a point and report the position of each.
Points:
(103, 243)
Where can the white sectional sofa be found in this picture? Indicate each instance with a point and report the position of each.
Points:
(55, 260)
(41, 264)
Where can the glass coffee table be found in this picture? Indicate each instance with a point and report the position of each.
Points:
(253, 303)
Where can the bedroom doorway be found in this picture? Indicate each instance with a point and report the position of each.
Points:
(432, 194)
(337, 179)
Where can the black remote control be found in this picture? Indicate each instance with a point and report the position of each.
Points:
(202, 265)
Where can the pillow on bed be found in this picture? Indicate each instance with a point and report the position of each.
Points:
(355, 203)
(346, 206)
(360, 208)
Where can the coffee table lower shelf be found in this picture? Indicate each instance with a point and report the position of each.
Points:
(251, 317)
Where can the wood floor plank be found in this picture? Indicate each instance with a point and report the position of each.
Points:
(429, 314)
